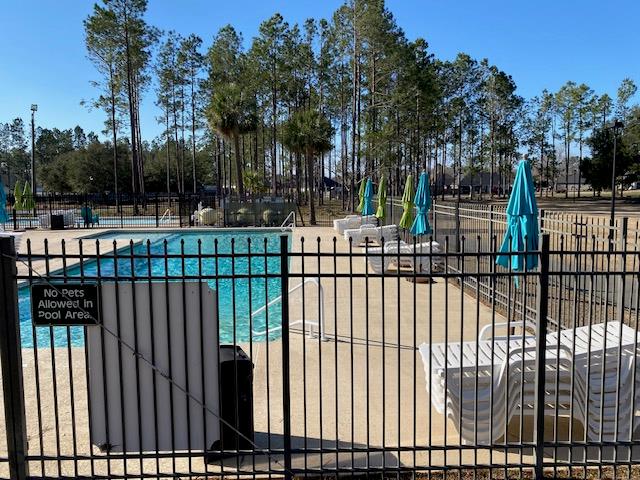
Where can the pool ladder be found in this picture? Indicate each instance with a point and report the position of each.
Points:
(164, 215)
(319, 325)
(289, 222)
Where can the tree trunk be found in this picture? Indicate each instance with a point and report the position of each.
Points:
(132, 118)
(176, 138)
(239, 179)
(218, 169)
(274, 146)
(354, 111)
(115, 137)
(492, 155)
(168, 153)
(310, 187)
(193, 132)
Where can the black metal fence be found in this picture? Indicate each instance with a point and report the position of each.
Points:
(353, 361)
(109, 211)
(163, 211)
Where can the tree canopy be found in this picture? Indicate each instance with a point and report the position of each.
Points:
(232, 110)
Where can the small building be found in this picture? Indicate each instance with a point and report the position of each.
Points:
(440, 183)
(479, 183)
(570, 183)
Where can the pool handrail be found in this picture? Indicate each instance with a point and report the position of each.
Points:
(289, 222)
(167, 211)
(319, 324)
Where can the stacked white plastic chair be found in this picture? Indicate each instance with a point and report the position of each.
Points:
(482, 385)
(371, 233)
(352, 221)
(407, 253)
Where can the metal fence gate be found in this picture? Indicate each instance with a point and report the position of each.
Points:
(356, 361)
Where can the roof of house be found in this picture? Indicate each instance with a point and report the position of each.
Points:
(482, 178)
(573, 178)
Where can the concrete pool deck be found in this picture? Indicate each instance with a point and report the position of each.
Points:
(364, 386)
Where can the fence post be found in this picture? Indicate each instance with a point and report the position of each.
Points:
(623, 259)
(457, 227)
(157, 219)
(435, 219)
(11, 360)
(86, 207)
(541, 350)
(286, 394)
(490, 226)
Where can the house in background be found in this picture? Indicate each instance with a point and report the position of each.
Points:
(440, 183)
(570, 183)
(479, 183)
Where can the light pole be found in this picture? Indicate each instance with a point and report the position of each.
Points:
(34, 109)
(617, 128)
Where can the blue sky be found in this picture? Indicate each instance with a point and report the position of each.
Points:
(541, 43)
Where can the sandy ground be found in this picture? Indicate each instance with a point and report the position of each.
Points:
(363, 387)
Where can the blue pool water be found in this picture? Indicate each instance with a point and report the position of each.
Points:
(240, 295)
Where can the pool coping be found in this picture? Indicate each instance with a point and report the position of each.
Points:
(138, 241)
(108, 231)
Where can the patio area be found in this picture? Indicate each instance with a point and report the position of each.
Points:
(363, 388)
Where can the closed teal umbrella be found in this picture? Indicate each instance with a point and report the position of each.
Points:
(407, 204)
(4, 218)
(422, 201)
(367, 199)
(522, 224)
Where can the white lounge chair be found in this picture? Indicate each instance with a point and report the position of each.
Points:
(351, 222)
(371, 233)
(406, 254)
(590, 374)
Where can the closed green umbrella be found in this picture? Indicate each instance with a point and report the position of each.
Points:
(407, 204)
(27, 198)
(522, 224)
(423, 204)
(17, 195)
(382, 198)
(363, 184)
(367, 198)
(4, 218)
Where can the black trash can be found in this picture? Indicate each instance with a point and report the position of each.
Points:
(236, 403)
(57, 222)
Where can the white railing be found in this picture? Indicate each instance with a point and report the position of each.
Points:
(164, 215)
(319, 324)
(289, 222)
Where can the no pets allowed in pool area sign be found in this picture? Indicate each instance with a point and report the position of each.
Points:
(64, 304)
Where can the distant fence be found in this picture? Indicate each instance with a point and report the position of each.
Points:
(471, 227)
(162, 211)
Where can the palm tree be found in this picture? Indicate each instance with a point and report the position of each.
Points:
(231, 113)
(254, 182)
(308, 132)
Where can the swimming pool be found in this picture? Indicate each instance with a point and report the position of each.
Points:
(237, 298)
